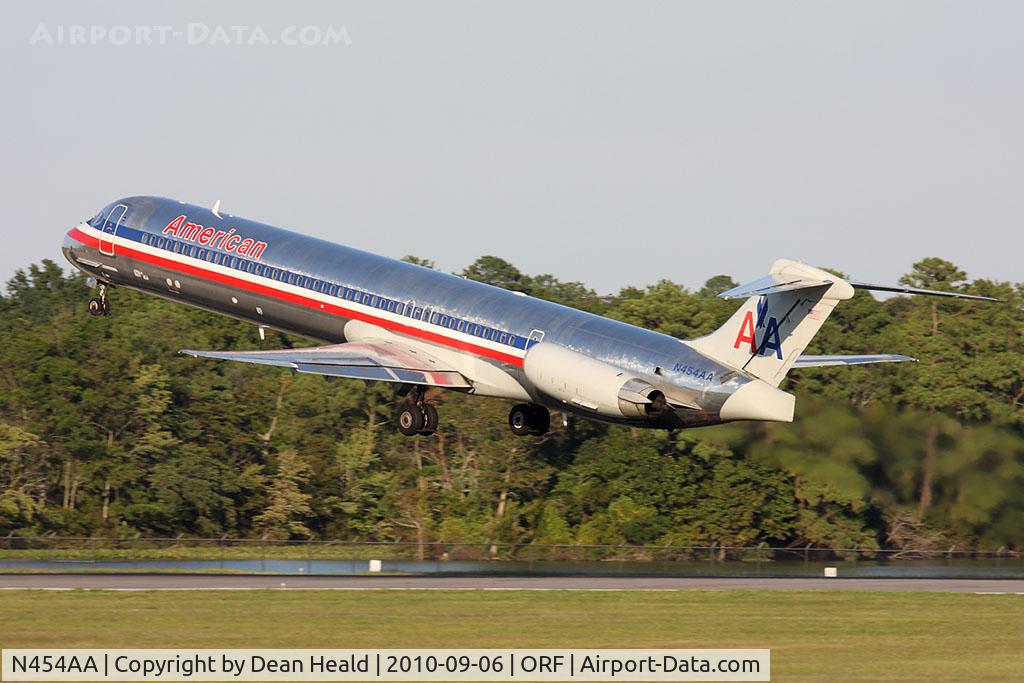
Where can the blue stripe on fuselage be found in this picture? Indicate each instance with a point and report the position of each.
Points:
(465, 300)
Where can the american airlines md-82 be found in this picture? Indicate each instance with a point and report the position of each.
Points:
(391, 321)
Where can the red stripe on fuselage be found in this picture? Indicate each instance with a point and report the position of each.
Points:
(297, 299)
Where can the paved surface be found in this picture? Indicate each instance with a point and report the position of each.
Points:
(250, 582)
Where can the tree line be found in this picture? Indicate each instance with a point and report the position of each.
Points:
(105, 430)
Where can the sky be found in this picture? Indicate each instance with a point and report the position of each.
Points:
(614, 143)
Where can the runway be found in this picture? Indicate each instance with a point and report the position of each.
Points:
(182, 582)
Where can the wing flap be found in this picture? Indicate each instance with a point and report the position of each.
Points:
(856, 359)
(378, 361)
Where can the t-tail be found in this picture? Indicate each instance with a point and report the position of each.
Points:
(767, 336)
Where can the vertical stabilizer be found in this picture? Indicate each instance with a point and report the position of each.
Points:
(782, 313)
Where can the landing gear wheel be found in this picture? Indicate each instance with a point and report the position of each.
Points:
(100, 305)
(430, 419)
(410, 419)
(541, 420)
(520, 419)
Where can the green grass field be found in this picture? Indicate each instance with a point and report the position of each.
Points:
(814, 635)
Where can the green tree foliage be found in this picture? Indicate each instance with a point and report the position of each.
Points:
(287, 507)
(106, 430)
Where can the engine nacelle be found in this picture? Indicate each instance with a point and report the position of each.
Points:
(588, 383)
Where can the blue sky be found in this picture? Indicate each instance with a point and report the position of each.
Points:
(612, 143)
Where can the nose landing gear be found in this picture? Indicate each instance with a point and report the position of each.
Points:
(100, 305)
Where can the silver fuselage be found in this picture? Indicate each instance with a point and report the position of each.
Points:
(329, 292)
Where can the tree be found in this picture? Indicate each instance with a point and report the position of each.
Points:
(498, 272)
(287, 505)
(716, 285)
(416, 260)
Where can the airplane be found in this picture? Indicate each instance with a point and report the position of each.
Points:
(386, 320)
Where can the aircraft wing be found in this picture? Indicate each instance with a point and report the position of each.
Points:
(378, 360)
(859, 359)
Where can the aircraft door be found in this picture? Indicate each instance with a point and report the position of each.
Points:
(536, 337)
(110, 226)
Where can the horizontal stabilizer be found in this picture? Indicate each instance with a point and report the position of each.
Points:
(858, 359)
(772, 284)
(378, 361)
(901, 289)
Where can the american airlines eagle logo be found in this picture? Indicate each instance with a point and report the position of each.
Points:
(227, 240)
(770, 340)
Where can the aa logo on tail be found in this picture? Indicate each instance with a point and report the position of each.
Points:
(748, 331)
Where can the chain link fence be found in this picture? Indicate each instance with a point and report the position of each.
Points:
(224, 548)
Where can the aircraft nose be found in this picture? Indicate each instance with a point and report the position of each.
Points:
(70, 245)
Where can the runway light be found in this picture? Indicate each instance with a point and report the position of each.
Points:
(374, 565)
(831, 572)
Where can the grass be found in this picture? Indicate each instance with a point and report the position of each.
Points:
(814, 635)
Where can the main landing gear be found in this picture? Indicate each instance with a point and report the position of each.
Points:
(529, 419)
(100, 305)
(416, 416)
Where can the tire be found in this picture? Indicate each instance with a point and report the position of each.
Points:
(430, 419)
(95, 307)
(410, 419)
(519, 419)
(541, 420)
